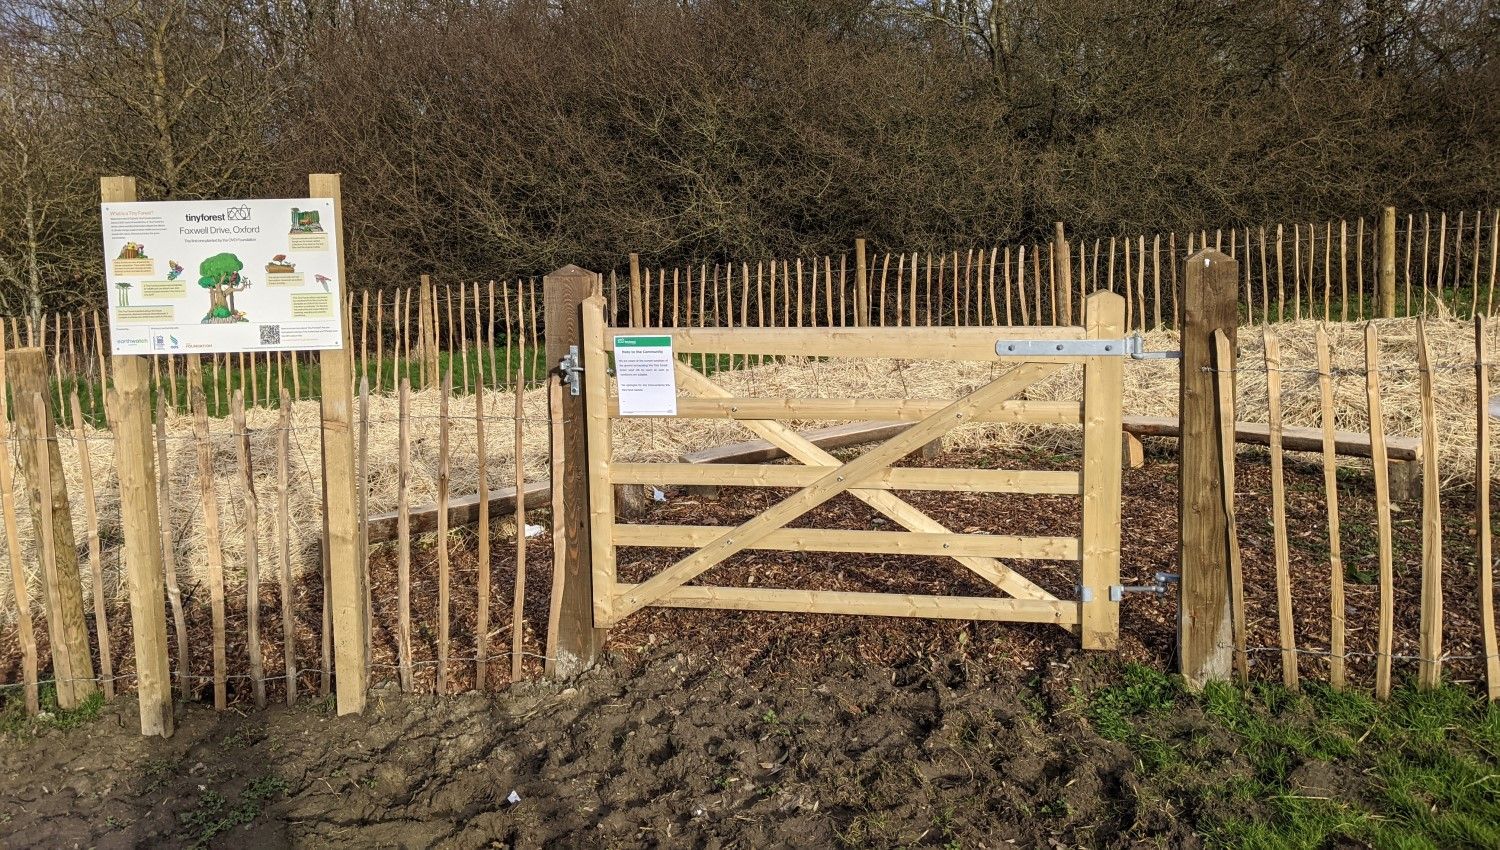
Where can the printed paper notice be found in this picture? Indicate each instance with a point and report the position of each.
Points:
(645, 376)
(187, 277)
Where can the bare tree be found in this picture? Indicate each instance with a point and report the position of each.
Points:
(42, 242)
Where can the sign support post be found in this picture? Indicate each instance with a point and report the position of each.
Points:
(348, 596)
(130, 412)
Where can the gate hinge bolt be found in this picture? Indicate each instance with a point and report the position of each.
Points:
(1159, 587)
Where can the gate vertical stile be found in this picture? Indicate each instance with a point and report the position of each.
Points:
(1099, 617)
(600, 453)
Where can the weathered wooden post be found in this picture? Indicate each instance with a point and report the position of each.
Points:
(637, 312)
(862, 285)
(1388, 263)
(427, 332)
(1062, 260)
(36, 437)
(578, 642)
(135, 463)
(1205, 640)
(349, 599)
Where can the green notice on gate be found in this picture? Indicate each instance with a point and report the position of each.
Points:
(645, 376)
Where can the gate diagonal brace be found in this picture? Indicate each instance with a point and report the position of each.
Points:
(836, 481)
(805, 451)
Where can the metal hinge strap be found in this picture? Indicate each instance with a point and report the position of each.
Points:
(1133, 346)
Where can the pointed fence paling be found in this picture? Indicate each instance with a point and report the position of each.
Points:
(493, 342)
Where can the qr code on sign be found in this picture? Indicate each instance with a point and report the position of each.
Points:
(270, 334)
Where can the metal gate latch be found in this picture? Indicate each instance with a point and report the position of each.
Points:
(1132, 346)
(571, 369)
(1160, 587)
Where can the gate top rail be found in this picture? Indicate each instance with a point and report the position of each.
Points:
(964, 343)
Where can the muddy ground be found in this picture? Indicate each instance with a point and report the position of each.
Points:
(746, 729)
(664, 751)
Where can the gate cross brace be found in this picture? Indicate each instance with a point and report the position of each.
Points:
(836, 481)
(888, 503)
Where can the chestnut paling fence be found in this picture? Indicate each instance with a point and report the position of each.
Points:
(1386, 265)
(247, 623)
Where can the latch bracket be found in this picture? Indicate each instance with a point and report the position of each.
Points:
(571, 369)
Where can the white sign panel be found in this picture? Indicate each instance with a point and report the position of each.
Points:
(222, 276)
(645, 376)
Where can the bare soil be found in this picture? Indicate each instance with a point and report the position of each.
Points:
(667, 751)
(735, 729)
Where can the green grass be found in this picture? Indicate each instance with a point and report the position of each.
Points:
(1420, 771)
(14, 721)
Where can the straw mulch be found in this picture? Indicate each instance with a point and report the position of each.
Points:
(1150, 388)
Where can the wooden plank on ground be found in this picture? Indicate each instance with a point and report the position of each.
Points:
(462, 511)
(1346, 443)
(832, 437)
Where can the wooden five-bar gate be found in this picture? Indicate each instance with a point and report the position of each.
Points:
(873, 476)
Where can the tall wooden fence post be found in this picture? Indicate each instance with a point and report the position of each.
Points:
(1205, 642)
(349, 600)
(1388, 263)
(637, 313)
(135, 463)
(1063, 262)
(36, 439)
(862, 285)
(578, 642)
(427, 332)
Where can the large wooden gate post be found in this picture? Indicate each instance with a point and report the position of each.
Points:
(578, 642)
(140, 523)
(1205, 644)
(349, 599)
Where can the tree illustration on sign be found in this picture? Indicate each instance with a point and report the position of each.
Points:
(220, 275)
(124, 287)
